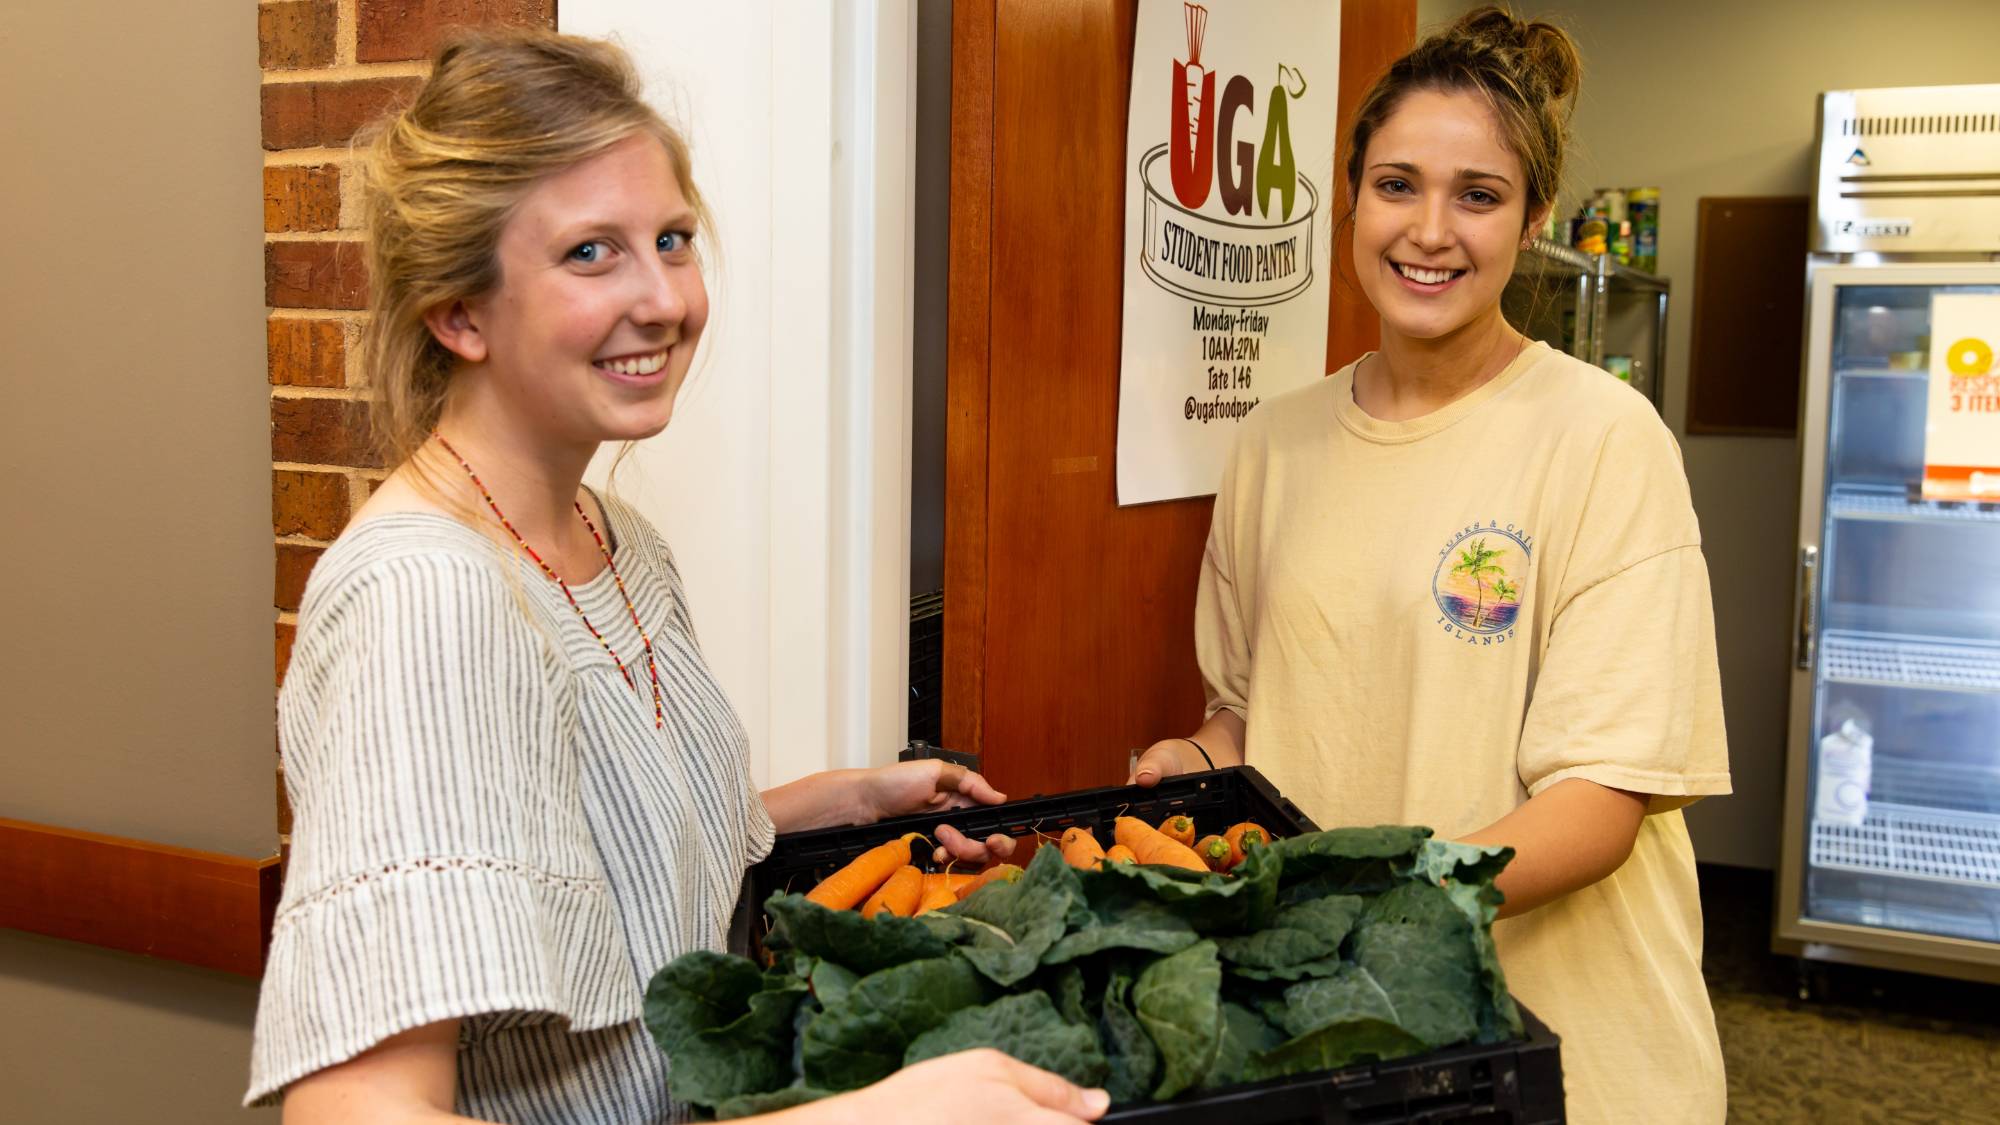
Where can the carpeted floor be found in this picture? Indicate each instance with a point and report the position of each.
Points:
(1870, 1046)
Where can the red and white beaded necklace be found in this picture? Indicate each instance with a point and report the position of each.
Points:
(652, 669)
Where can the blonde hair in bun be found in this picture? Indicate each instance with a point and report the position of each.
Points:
(501, 111)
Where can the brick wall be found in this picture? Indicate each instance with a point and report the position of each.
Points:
(329, 67)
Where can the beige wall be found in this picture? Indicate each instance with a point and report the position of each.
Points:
(134, 425)
(134, 437)
(1716, 97)
(91, 1035)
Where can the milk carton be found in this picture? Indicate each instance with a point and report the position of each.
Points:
(1846, 763)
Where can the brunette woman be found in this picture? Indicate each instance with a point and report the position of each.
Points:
(1460, 583)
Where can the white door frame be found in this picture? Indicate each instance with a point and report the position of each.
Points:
(784, 483)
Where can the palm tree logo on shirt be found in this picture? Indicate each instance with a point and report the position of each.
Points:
(1479, 579)
(1476, 562)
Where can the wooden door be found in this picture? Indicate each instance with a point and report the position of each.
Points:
(1069, 622)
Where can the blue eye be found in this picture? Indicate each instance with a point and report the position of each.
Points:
(588, 252)
(673, 241)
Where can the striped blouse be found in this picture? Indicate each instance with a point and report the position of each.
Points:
(488, 827)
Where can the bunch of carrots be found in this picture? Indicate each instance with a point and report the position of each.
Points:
(1173, 843)
(884, 878)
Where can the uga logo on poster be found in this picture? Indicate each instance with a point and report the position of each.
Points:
(1230, 146)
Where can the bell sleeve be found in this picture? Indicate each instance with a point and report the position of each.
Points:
(441, 865)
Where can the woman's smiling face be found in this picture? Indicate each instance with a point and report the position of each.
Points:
(589, 335)
(1439, 216)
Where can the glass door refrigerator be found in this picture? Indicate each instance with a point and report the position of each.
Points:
(1891, 851)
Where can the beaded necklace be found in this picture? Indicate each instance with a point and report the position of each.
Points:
(652, 670)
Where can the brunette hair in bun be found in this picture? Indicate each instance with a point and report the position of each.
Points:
(1527, 70)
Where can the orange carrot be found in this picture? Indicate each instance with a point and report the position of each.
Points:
(1119, 853)
(1241, 835)
(1080, 848)
(1179, 829)
(1214, 851)
(937, 897)
(947, 881)
(898, 895)
(1152, 846)
(850, 886)
(998, 872)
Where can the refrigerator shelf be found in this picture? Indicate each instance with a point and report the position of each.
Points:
(1913, 843)
(1854, 658)
(1900, 779)
(1883, 373)
(1853, 502)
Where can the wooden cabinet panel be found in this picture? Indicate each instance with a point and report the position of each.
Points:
(1748, 342)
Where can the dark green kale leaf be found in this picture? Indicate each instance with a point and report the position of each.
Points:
(1244, 900)
(1025, 1025)
(1310, 931)
(699, 991)
(1244, 1033)
(1009, 926)
(1178, 999)
(1134, 1060)
(918, 996)
(1440, 861)
(1467, 873)
(750, 1105)
(1350, 994)
(1304, 970)
(1420, 904)
(1430, 973)
(1499, 1019)
(1271, 1005)
(1332, 1047)
(725, 1026)
(865, 945)
(847, 1049)
(831, 982)
(863, 1040)
(808, 1011)
(1124, 922)
(1065, 984)
(1346, 860)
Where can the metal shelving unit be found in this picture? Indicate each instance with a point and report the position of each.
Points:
(1611, 309)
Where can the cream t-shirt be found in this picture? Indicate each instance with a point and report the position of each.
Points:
(1430, 621)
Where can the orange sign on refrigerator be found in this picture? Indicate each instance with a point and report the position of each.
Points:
(1962, 425)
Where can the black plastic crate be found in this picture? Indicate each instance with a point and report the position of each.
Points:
(1219, 798)
(1515, 1083)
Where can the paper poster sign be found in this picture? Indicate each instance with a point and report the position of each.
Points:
(1228, 228)
(1962, 427)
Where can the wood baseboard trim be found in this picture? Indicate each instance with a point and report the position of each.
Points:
(178, 904)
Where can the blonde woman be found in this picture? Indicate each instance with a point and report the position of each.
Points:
(517, 789)
(1459, 583)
